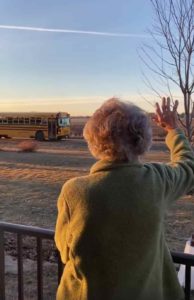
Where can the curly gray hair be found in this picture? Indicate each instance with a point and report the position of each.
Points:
(118, 131)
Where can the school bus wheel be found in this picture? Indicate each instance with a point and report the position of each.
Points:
(39, 136)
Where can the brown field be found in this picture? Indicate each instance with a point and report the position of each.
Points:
(30, 184)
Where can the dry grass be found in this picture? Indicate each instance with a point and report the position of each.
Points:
(30, 288)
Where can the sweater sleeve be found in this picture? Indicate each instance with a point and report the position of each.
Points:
(180, 171)
(62, 225)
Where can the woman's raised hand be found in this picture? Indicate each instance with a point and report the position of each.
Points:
(165, 116)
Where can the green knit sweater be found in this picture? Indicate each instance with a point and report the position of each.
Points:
(110, 228)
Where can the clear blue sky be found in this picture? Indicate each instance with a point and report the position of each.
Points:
(75, 72)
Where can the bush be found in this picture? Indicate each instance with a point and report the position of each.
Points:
(28, 146)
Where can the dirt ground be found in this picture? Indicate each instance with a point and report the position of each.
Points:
(31, 182)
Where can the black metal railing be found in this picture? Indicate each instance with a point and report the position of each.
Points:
(188, 261)
(40, 234)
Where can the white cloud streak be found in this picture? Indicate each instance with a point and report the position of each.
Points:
(55, 30)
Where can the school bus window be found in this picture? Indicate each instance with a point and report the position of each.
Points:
(44, 122)
(10, 120)
(15, 121)
(21, 120)
(32, 121)
(63, 122)
(4, 121)
(38, 121)
(27, 121)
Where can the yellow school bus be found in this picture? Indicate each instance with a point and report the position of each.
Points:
(41, 126)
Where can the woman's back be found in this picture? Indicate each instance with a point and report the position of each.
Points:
(117, 236)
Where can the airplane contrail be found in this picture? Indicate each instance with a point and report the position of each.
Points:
(55, 30)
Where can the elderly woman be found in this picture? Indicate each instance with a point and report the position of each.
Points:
(110, 226)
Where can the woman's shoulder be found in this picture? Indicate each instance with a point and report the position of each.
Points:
(76, 183)
(75, 191)
(157, 168)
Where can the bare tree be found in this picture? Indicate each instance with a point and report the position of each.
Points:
(171, 59)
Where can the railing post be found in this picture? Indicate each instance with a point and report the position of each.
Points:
(187, 282)
(2, 266)
(20, 268)
(39, 269)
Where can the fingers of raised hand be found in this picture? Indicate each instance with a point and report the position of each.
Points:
(163, 104)
(158, 112)
(168, 104)
(175, 106)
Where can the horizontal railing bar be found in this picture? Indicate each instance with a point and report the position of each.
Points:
(183, 258)
(27, 230)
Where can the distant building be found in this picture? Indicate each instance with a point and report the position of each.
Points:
(77, 125)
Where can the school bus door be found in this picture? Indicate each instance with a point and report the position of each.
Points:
(52, 129)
